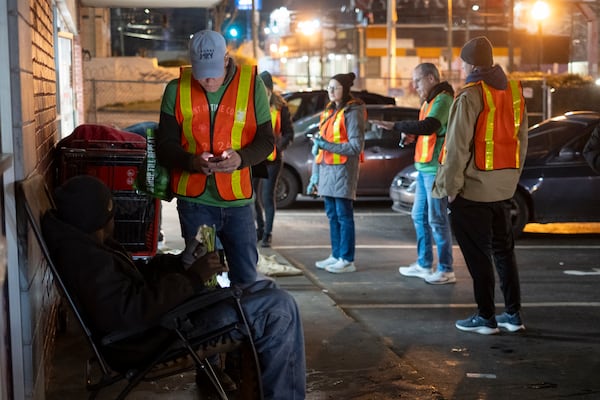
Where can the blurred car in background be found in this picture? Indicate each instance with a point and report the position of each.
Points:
(383, 158)
(309, 102)
(557, 185)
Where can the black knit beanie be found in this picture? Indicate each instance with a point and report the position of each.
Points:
(478, 52)
(84, 202)
(346, 80)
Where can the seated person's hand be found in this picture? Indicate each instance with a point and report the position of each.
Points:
(208, 265)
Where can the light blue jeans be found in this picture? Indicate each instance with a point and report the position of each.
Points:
(341, 227)
(235, 230)
(430, 217)
(277, 331)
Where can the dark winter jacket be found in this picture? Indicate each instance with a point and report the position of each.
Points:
(112, 291)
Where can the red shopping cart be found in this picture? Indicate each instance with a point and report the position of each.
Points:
(115, 157)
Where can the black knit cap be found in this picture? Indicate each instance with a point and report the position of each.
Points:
(84, 202)
(267, 79)
(346, 80)
(478, 52)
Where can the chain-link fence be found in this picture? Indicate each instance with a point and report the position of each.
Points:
(124, 103)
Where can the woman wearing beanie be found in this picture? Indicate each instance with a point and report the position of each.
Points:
(338, 151)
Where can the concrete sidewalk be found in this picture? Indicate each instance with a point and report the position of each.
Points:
(344, 360)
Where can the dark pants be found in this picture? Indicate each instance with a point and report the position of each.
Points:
(484, 233)
(265, 202)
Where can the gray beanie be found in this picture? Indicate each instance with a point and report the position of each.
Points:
(84, 202)
(478, 52)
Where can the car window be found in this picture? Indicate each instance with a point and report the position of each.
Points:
(306, 125)
(549, 137)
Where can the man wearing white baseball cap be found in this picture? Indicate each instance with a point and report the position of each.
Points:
(215, 124)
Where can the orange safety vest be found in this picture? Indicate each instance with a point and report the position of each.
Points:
(497, 144)
(234, 126)
(333, 129)
(276, 121)
(425, 146)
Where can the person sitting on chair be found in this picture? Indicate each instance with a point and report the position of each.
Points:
(116, 295)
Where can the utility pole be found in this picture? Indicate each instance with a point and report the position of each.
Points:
(392, 18)
(449, 38)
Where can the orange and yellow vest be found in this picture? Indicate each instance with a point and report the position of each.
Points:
(425, 146)
(234, 126)
(333, 129)
(276, 121)
(497, 144)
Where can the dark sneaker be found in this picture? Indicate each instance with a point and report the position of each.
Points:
(478, 324)
(266, 242)
(510, 322)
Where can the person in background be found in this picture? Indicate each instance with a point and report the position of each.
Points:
(591, 151)
(264, 189)
(116, 295)
(338, 151)
(215, 124)
(429, 214)
(486, 145)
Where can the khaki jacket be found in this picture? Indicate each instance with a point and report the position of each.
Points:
(458, 175)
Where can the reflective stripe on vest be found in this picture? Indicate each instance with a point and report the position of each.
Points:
(333, 129)
(234, 126)
(425, 146)
(276, 121)
(497, 144)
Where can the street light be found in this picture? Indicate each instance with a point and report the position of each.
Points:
(540, 11)
(309, 29)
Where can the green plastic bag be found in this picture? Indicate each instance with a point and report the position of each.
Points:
(152, 178)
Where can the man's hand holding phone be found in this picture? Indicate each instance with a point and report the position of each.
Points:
(227, 162)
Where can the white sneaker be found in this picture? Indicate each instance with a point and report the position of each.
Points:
(341, 266)
(415, 270)
(440, 278)
(324, 263)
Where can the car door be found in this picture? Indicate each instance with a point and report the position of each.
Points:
(383, 157)
(567, 188)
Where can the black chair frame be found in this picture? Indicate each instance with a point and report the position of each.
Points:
(173, 358)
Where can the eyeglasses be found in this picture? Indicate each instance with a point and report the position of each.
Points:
(333, 88)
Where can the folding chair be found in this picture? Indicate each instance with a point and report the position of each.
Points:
(118, 354)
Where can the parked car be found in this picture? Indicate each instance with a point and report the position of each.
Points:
(557, 185)
(383, 158)
(309, 102)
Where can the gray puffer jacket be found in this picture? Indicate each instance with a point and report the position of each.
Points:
(340, 180)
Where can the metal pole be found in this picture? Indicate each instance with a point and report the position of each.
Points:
(511, 31)
(392, 18)
(449, 38)
(540, 45)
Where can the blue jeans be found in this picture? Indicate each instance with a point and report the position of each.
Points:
(265, 197)
(235, 230)
(340, 212)
(430, 217)
(277, 331)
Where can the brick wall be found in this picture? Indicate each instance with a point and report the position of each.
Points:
(37, 119)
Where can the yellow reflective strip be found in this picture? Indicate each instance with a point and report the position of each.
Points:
(241, 106)
(185, 104)
(241, 109)
(424, 148)
(489, 128)
(515, 88)
(337, 135)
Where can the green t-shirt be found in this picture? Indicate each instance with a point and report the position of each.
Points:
(210, 196)
(439, 110)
